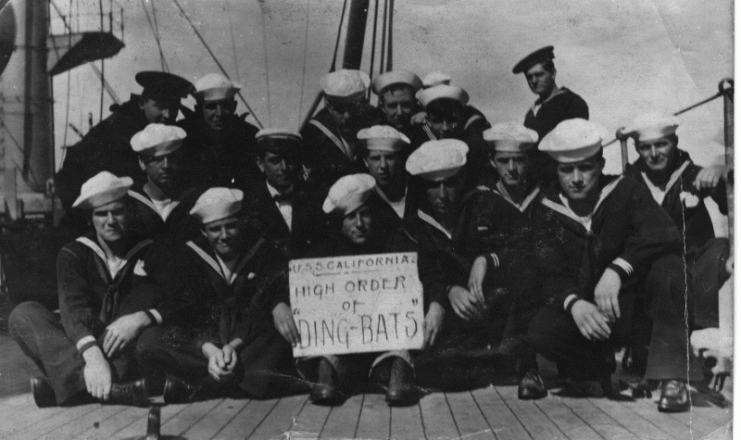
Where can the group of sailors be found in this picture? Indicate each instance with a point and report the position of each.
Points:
(178, 282)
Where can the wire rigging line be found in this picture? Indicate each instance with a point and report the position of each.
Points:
(165, 67)
(303, 67)
(231, 33)
(102, 67)
(69, 84)
(216, 60)
(155, 32)
(389, 60)
(373, 44)
(333, 66)
(383, 35)
(267, 66)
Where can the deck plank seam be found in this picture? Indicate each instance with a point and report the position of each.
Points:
(146, 416)
(586, 422)
(324, 424)
(232, 418)
(357, 421)
(514, 413)
(452, 414)
(30, 426)
(644, 418)
(617, 422)
(486, 419)
(263, 418)
(296, 416)
(422, 420)
(553, 422)
(180, 434)
(101, 422)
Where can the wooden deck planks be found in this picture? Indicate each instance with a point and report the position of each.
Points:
(89, 420)
(568, 421)
(532, 418)
(20, 411)
(647, 409)
(468, 418)
(375, 418)
(48, 424)
(188, 417)
(631, 421)
(436, 417)
(606, 426)
(215, 420)
(280, 419)
(138, 427)
(406, 423)
(246, 420)
(309, 422)
(502, 421)
(342, 421)
(107, 428)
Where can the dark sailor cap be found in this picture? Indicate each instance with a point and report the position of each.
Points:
(163, 86)
(539, 56)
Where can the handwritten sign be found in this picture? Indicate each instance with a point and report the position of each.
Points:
(356, 304)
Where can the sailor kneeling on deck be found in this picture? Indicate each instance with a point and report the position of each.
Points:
(608, 252)
(105, 301)
(218, 337)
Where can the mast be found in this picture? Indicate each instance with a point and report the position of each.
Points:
(355, 35)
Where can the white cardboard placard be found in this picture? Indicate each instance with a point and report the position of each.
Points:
(355, 304)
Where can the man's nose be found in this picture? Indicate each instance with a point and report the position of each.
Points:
(511, 165)
(578, 177)
(654, 151)
(383, 162)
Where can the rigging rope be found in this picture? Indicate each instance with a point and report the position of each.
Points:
(155, 32)
(102, 67)
(373, 46)
(265, 57)
(216, 60)
(383, 36)
(69, 84)
(390, 59)
(231, 34)
(165, 67)
(303, 67)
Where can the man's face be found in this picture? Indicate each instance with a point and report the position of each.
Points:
(657, 153)
(446, 126)
(111, 221)
(216, 114)
(443, 196)
(384, 166)
(398, 106)
(540, 80)
(163, 111)
(343, 111)
(224, 236)
(279, 169)
(164, 171)
(357, 226)
(580, 180)
(511, 167)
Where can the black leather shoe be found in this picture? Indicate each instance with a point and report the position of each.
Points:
(130, 393)
(674, 396)
(43, 394)
(531, 386)
(401, 384)
(324, 392)
(178, 391)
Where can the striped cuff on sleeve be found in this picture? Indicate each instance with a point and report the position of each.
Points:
(85, 342)
(622, 267)
(154, 315)
(492, 260)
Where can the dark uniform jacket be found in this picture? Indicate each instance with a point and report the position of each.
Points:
(684, 203)
(331, 154)
(89, 298)
(200, 299)
(223, 158)
(106, 147)
(627, 228)
(179, 226)
(308, 223)
(562, 105)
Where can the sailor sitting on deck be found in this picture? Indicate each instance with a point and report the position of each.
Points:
(354, 208)
(218, 338)
(105, 301)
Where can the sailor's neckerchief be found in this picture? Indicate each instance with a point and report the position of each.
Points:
(538, 104)
(214, 264)
(501, 190)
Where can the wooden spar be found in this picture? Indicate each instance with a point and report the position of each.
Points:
(726, 88)
(355, 35)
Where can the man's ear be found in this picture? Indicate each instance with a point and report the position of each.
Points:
(142, 165)
(260, 161)
(203, 231)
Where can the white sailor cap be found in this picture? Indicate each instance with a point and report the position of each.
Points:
(426, 96)
(158, 139)
(345, 83)
(396, 77)
(433, 79)
(215, 87)
(652, 126)
(573, 140)
(437, 160)
(102, 189)
(510, 137)
(384, 138)
(216, 204)
(349, 193)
